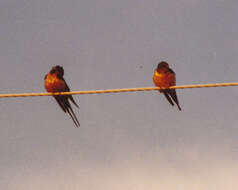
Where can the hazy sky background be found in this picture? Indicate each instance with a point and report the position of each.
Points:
(131, 141)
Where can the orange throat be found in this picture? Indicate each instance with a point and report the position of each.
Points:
(54, 84)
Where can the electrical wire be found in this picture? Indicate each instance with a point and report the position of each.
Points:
(116, 90)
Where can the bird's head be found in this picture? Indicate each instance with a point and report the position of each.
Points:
(58, 70)
(162, 66)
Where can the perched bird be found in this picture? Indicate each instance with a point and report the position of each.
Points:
(164, 77)
(54, 82)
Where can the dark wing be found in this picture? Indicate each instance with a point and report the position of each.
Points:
(69, 96)
(170, 71)
(172, 92)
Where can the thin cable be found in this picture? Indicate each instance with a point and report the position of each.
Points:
(117, 90)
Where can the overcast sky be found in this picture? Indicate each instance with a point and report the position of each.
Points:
(130, 141)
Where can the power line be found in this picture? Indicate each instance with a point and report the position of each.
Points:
(116, 90)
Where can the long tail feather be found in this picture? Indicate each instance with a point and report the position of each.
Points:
(60, 102)
(66, 107)
(73, 116)
(168, 98)
(72, 100)
(173, 95)
(71, 112)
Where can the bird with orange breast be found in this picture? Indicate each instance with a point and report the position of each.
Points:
(164, 77)
(54, 82)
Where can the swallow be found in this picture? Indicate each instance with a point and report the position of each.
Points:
(164, 77)
(54, 82)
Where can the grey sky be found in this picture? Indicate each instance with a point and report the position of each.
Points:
(130, 140)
